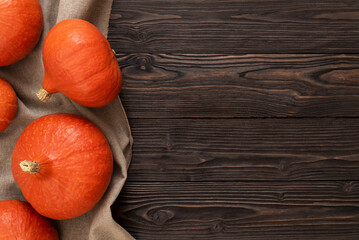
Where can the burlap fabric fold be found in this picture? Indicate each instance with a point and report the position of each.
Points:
(26, 78)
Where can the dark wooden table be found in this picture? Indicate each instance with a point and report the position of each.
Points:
(245, 117)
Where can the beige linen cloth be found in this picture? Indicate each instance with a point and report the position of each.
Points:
(26, 78)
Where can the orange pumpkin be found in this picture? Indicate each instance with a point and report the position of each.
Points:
(18, 220)
(80, 63)
(21, 23)
(63, 165)
(8, 104)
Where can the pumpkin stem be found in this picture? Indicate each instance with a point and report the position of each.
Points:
(114, 52)
(31, 167)
(43, 95)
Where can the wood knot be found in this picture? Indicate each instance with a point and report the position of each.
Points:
(281, 196)
(144, 63)
(168, 142)
(283, 168)
(348, 187)
(217, 227)
(161, 216)
(136, 35)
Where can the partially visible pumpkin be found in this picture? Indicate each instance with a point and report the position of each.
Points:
(19, 221)
(63, 165)
(8, 104)
(21, 23)
(80, 63)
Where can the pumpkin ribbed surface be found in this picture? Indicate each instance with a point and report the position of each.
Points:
(19, 221)
(8, 104)
(63, 165)
(21, 23)
(80, 63)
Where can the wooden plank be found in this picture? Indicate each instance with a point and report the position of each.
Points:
(232, 27)
(244, 149)
(239, 210)
(226, 86)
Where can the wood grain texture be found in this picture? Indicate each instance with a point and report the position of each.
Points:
(244, 149)
(244, 116)
(227, 86)
(241, 210)
(227, 27)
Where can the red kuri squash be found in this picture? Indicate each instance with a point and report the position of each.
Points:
(80, 63)
(8, 104)
(21, 24)
(19, 221)
(63, 165)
